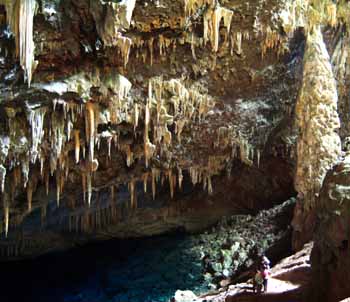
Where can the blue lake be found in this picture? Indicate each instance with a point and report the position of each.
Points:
(115, 271)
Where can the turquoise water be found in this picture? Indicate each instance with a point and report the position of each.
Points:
(119, 271)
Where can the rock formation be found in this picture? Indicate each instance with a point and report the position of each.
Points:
(330, 260)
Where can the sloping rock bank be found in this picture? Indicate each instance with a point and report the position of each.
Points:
(233, 245)
(290, 280)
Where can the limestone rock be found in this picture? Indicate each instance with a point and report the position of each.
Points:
(184, 296)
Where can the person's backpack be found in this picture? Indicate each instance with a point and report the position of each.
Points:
(265, 273)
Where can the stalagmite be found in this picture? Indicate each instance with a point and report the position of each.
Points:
(319, 145)
(77, 146)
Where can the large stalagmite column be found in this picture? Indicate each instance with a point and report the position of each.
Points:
(319, 145)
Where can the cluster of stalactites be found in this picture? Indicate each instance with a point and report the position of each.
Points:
(111, 19)
(212, 20)
(239, 144)
(20, 17)
(181, 107)
(309, 14)
(53, 135)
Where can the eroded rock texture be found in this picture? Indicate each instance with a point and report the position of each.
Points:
(134, 107)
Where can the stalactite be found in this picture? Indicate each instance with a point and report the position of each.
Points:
(83, 184)
(47, 183)
(89, 187)
(150, 48)
(124, 44)
(210, 187)
(43, 214)
(111, 188)
(91, 126)
(136, 116)
(30, 194)
(180, 178)
(145, 181)
(36, 121)
(154, 186)
(58, 188)
(193, 47)
(132, 194)
(77, 146)
(171, 183)
(2, 178)
(212, 19)
(20, 15)
(149, 148)
(7, 217)
(109, 146)
(129, 156)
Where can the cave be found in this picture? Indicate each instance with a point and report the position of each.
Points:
(155, 150)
